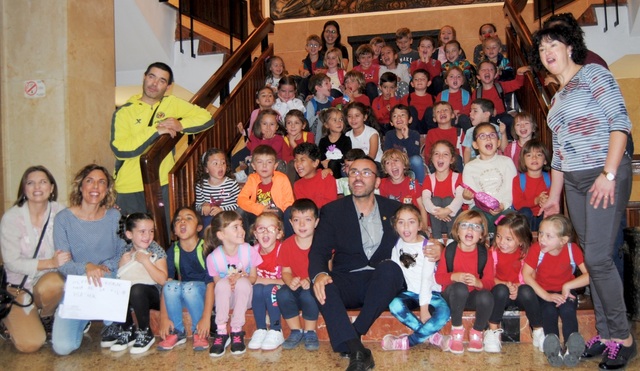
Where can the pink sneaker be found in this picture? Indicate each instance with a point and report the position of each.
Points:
(456, 346)
(200, 343)
(390, 342)
(441, 341)
(475, 341)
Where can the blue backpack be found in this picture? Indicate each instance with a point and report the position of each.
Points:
(545, 176)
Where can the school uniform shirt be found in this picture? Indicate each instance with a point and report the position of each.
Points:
(450, 135)
(443, 189)
(420, 103)
(287, 150)
(382, 108)
(467, 262)
(507, 87)
(554, 271)
(508, 267)
(455, 100)
(513, 150)
(433, 66)
(527, 197)
(277, 143)
(372, 74)
(295, 258)
(407, 192)
(320, 191)
(269, 268)
(340, 101)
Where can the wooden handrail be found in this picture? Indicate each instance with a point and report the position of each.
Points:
(216, 87)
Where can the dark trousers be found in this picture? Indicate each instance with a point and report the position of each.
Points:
(459, 298)
(370, 290)
(263, 301)
(526, 299)
(567, 312)
(142, 299)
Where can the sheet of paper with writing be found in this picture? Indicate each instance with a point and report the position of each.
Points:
(82, 300)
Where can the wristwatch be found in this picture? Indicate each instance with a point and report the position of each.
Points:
(608, 175)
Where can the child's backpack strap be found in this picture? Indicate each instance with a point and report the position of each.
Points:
(199, 253)
(523, 181)
(479, 92)
(547, 178)
(571, 260)
(445, 95)
(450, 254)
(459, 139)
(513, 148)
(499, 89)
(454, 179)
(466, 97)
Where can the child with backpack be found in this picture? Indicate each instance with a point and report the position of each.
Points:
(441, 191)
(549, 269)
(524, 129)
(513, 238)
(466, 275)
(531, 186)
(189, 284)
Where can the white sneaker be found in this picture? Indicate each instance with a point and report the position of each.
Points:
(273, 340)
(257, 339)
(538, 339)
(492, 343)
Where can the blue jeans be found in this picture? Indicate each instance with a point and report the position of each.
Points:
(291, 302)
(401, 307)
(534, 220)
(67, 334)
(263, 301)
(416, 163)
(178, 295)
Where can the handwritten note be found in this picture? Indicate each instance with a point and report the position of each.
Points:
(82, 300)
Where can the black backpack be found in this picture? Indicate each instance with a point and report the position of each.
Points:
(450, 253)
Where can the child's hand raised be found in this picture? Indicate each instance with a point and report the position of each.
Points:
(522, 70)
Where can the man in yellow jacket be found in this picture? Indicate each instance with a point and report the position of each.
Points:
(138, 123)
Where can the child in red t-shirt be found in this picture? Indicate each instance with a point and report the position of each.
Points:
(466, 285)
(295, 295)
(268, 231)
(398, 186)
(513, 238)
(317, 185)
(549, 270)
(443, 116)
(531, 187)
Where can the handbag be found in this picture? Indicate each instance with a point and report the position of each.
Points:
(135, 272)
(483, 200)
(7, 299)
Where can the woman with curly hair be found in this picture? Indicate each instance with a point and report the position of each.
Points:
(88, 229)
(590, 125)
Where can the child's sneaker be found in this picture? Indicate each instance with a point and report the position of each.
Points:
(594, 348)
(273, 340)
(575, 347)
(441, 341)
(617, 355)
(553, 350)
(457, 333)
(475, 341)
(390, 342)
(144, 341)
(257, 339)
(311, 341)
(124, 341)
(200, 343)
(237, 343)
(538, 338)
(172, 340)
(220, 344)
(492, 343)
(110, 335)
(295, 338)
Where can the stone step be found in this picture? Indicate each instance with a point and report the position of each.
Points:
(515, 325)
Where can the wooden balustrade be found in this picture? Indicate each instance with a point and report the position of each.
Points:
(235, 107)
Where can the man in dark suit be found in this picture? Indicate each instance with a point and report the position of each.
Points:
(357, 231)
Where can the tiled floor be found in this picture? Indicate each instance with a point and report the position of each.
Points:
(92, 357)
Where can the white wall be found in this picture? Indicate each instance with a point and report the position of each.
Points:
(617, 41)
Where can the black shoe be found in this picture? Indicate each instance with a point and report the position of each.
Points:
(220, 343)
(47, 323)
(144, 341)
(237, 343)
(594, 348)
(617, 356)
(361, 361)
(110, 335)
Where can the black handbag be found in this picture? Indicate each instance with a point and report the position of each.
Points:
(7, 299)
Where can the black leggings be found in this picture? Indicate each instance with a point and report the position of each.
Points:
(459, 298)
(526, 299)
(142, 299)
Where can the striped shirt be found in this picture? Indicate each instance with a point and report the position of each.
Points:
(582, 116)
(224, 195)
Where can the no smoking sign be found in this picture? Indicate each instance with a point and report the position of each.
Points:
(34, 89)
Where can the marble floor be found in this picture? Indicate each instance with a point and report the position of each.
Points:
(92, 357)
